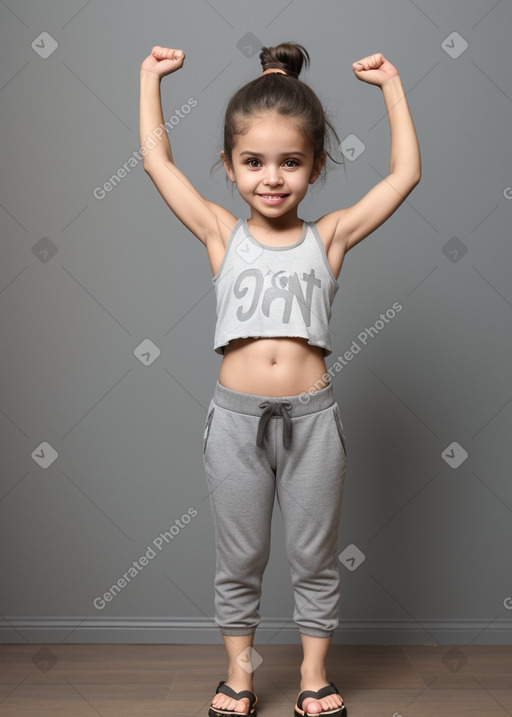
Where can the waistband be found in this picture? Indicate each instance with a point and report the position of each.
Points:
(300, 404)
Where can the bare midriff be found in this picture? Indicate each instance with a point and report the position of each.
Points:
(282, 366)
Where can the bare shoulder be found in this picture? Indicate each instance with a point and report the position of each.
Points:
(347, 227)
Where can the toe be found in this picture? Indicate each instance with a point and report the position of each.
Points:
(330, 702)
(224, 702)
(333, 702)
(311, 706)
(242, 706)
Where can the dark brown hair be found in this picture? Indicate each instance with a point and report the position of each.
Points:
(284, 94)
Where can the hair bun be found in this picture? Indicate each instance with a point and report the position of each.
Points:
(288, 56)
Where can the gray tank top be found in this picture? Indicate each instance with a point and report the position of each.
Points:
(265, 291)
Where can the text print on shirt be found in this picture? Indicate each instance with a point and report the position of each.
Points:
(283, 285)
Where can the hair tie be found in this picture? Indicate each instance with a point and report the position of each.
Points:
(279, 71)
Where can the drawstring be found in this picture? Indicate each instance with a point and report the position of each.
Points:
(275, 408)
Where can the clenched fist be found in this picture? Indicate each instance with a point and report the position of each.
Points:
(374, 69)
(162, 61)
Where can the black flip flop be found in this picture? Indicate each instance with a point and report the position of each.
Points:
(329, 689)
(227, 690)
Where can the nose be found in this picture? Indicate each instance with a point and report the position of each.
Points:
(272, 176)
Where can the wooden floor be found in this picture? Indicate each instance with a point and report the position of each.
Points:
(164, 680)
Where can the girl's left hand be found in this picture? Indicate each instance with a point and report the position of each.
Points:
(374, 69)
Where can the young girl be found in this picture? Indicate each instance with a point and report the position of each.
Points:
(275, 278)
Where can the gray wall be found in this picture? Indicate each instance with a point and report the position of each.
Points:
(101, 449)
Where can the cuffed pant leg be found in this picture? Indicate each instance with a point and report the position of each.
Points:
(309, 483)
(241, 488)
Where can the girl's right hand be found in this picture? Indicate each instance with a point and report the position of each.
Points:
(163, 61)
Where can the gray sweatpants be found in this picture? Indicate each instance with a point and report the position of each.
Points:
(253, 448)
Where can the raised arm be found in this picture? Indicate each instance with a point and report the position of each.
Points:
(200, 216)
(358, 221)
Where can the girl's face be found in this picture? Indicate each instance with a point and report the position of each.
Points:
(272, 165)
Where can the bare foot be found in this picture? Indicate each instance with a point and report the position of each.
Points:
(313, 706)
(224, 702)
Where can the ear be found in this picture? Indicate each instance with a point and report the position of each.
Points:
(317, 167)
(227, 166)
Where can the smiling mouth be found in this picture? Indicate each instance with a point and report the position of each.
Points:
(273, 197)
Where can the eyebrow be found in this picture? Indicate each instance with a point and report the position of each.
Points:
(260, 154)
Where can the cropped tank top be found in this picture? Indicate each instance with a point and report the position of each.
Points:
(264, 291)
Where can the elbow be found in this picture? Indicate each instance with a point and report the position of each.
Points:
(147, 165)
(417, 174)
(407, 180)
(414, 178)
(155, 163)
(409, 174)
